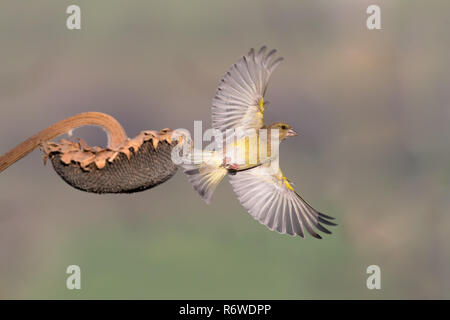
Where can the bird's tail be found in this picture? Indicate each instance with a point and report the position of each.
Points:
(206, 176)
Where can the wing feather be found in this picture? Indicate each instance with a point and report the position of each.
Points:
(238, 97)
(269, 200)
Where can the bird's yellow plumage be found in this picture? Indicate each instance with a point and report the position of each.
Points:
(286, 182)
(261, 105)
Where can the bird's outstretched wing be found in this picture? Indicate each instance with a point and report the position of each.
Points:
(239, 100)
(271, 200)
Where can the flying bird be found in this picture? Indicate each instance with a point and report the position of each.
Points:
(260, 185)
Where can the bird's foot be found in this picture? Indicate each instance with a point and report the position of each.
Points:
(233, 166)
(225, 162)
(230, 166)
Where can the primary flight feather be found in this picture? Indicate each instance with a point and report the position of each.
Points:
(260, 186)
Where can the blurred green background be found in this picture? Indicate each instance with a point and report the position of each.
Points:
(372, 107)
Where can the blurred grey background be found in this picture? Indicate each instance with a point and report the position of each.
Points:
(372, 107)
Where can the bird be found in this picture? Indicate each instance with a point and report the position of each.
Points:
(260, 186)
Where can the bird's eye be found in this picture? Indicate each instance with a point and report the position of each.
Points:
(283, 127)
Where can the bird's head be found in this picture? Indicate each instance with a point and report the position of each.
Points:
(284, 130)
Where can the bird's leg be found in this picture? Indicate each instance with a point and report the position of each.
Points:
(225, 161)
(234, 166)
(230, 166)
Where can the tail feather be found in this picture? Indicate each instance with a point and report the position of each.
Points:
(205, 179)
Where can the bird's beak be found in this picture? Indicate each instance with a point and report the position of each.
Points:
(291, 133)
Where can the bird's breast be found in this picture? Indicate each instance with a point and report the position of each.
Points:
(250, 151)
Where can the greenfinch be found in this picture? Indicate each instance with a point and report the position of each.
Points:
(252, 167)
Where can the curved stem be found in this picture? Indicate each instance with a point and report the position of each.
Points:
(115, 132)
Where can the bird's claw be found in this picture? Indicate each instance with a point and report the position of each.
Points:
(232, 166)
